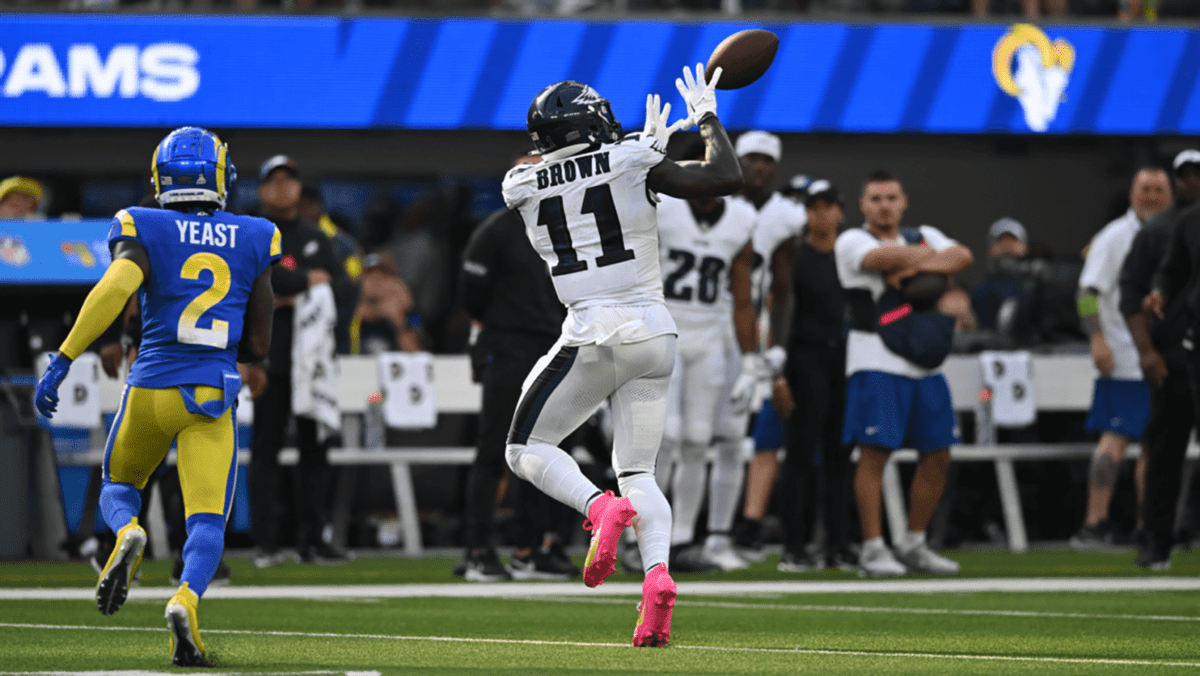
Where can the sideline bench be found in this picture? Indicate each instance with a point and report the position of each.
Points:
(1061, 383)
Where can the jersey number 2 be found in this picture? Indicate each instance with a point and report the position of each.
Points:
(188, 332)
(597, 201)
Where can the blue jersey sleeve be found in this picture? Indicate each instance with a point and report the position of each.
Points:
(122, 227)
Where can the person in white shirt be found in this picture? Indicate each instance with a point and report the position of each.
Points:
(590, 211)
(893, 402)
(705, 258)
(1121, 399)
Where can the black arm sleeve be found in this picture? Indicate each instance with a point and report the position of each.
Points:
(477, 275)
(1137, 273)
(288, 282)
(345, 290)
(1176, 266)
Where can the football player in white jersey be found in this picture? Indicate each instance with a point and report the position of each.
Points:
(779, 220)
(705, 257)
(590, 209)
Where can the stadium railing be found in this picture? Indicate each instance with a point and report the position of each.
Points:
(1060, 383)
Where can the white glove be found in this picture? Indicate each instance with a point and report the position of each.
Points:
(701, 97)
(747, 390)
(656, 122)
(775, 357)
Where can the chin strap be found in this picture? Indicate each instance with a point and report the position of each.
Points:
(104, 303)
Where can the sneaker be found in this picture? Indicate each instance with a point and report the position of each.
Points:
(653, 628)
(325, 554)
(879, 562)
(800, 563)
(558, 553)
(187, 650)
(607, 519)
(541, 565)
(690, 559)
(755, 553)
(922, 559)
(719, 552)
(1153, 554)
(1101, 537)
(265, 558)
(220, 578)
(460, 568)
(844, 559)
(484, 566)
(113, 588)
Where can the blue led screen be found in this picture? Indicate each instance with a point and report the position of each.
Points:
(289, 72)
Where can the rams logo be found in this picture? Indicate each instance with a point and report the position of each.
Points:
(1042, 71)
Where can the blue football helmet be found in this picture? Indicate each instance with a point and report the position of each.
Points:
(569, 113)
(192, 165)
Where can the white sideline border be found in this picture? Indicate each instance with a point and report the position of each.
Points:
(583, 644)
(634, 589)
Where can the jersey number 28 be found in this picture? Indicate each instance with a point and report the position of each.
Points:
(597, 201)
(188, 332)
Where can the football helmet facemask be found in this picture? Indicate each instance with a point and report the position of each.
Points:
(570, 113)
(192, 165)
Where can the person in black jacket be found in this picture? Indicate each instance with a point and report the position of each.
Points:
(1164, 363)
(308, 260)
(506, 289)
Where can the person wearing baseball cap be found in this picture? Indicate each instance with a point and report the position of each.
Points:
(19, 197)
(815, 374)
(797, 187)
(1007, 237)
(308, 260)
(780, 220)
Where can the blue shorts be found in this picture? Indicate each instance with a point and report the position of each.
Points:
(1121, 407)
(891, 411)
(768, 429)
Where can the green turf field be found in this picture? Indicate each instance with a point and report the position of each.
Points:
(730, 630)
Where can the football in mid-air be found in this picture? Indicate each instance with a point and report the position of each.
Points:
(743, 58)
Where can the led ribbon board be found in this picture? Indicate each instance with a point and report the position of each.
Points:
(295, 72)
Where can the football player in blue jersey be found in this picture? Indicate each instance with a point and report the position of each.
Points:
(204, 284)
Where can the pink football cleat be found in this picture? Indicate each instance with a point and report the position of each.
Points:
(608, 517)
(654, 612)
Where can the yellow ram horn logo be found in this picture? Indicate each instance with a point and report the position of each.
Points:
(1041, 73)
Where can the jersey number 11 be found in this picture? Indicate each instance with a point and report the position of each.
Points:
(597, 201)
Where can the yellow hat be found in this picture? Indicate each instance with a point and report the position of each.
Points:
(21, 184)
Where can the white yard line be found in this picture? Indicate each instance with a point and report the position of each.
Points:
(534, 589)
(454, 639)
(880, 609)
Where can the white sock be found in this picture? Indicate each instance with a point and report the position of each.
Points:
(725, 486)
(653, 520)
(554, 473)
(874, 544)
(913, 539)
(687, 493)
(718, 541)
